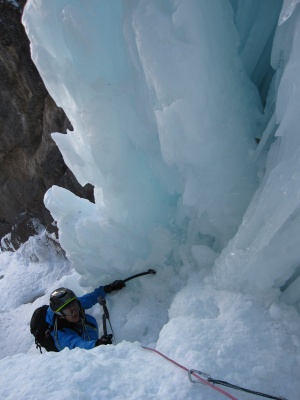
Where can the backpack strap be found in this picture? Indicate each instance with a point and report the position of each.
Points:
(38, 346)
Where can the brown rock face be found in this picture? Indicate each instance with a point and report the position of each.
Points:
(30, 162)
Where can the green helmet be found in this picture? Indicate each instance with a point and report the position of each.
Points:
(61, 298)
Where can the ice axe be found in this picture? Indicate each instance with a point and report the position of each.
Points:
(105, 317)
(150, 271)
(102, 302)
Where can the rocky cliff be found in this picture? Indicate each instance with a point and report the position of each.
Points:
(30, 161)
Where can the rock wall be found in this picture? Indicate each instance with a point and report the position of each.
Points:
(30, 161)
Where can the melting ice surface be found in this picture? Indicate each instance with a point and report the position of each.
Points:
(167, 100)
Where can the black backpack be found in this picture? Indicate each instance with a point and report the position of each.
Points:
(41, 330)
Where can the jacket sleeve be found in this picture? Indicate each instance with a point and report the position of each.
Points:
(50, 316)
(70, 339)
(90, 299)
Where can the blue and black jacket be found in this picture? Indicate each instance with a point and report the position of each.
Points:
(83, 335)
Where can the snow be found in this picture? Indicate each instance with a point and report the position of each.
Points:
(98, 373)
(166, 102)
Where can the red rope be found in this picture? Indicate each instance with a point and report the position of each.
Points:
(193, 373)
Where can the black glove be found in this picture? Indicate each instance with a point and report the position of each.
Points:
(116, 285)
(105, 339)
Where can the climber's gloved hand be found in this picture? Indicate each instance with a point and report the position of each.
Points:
(116, 285)
(105, 339)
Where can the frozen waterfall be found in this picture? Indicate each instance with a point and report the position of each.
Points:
(166, 100)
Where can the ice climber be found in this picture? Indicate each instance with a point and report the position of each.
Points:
(72, 326)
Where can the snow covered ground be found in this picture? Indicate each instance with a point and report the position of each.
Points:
(164, 101)
(247, 340)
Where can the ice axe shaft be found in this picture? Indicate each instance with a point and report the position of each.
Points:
(105, 317)
(150, 271)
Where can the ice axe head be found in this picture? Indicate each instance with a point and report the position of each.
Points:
(101, 301)
(152, 271)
